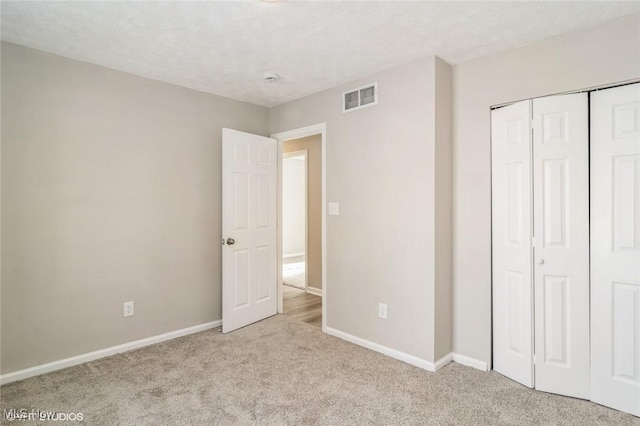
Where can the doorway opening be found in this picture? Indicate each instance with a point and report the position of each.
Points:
(302, 260)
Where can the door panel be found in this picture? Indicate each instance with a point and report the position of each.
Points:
(555, 204)
(249, 171)
(555, 319)
(511, 242)
(615, 247)
(561, 248)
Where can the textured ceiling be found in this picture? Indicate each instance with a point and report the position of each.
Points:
(226, 47)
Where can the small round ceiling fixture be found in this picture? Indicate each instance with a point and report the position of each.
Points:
(271, 77)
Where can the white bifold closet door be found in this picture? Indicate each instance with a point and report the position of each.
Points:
(540, 218)
(511, 242)
(615, 247)
(561, 244)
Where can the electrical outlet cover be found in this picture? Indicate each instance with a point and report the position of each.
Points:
(128, 309)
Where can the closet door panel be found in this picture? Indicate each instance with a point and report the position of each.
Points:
(511, 233)
(615, 247)
(561, 244)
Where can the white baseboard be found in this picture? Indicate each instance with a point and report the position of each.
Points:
(289, 256)
(443, 361)
(91, 356)
(393, 353)
(470, 362)
(314, 290)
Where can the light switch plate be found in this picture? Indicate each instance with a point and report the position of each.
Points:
(334, 209)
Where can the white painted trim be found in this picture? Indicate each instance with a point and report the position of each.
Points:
(288, 256)
(314, 290)
(279, 244)
(400, 356)
(302, 132)
(113, 350)
(470, 362)
(443, 361)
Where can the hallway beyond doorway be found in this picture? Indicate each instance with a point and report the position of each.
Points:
(302, 306)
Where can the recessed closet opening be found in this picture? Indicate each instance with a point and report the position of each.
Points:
(566, 244)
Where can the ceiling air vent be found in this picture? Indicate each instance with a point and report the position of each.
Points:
(359, 98)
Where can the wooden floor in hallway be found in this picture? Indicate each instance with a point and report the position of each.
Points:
(302, 306)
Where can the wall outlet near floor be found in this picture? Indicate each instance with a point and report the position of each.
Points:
(382, 310)
(128, 309)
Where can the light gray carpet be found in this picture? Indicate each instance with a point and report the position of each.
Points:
(280, 371)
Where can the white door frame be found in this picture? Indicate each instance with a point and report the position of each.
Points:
(316, 129)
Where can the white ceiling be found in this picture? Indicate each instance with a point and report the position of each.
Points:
(226, 47)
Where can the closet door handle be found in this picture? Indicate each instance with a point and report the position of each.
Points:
(540, 261)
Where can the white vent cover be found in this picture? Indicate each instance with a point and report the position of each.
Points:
(359, 98)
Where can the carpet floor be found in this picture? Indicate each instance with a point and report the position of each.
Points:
(293, 274)
(280, 371)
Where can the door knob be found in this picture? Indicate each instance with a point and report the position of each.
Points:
(230, 241)
(540, 261)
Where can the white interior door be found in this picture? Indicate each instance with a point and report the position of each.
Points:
(615, 247)
(561, 244)
(511, 244)
(249, 263)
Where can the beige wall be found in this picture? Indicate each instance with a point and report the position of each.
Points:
(110, 192)
(601, 55)
(443, 204)
(313, 145)
(380, 165)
